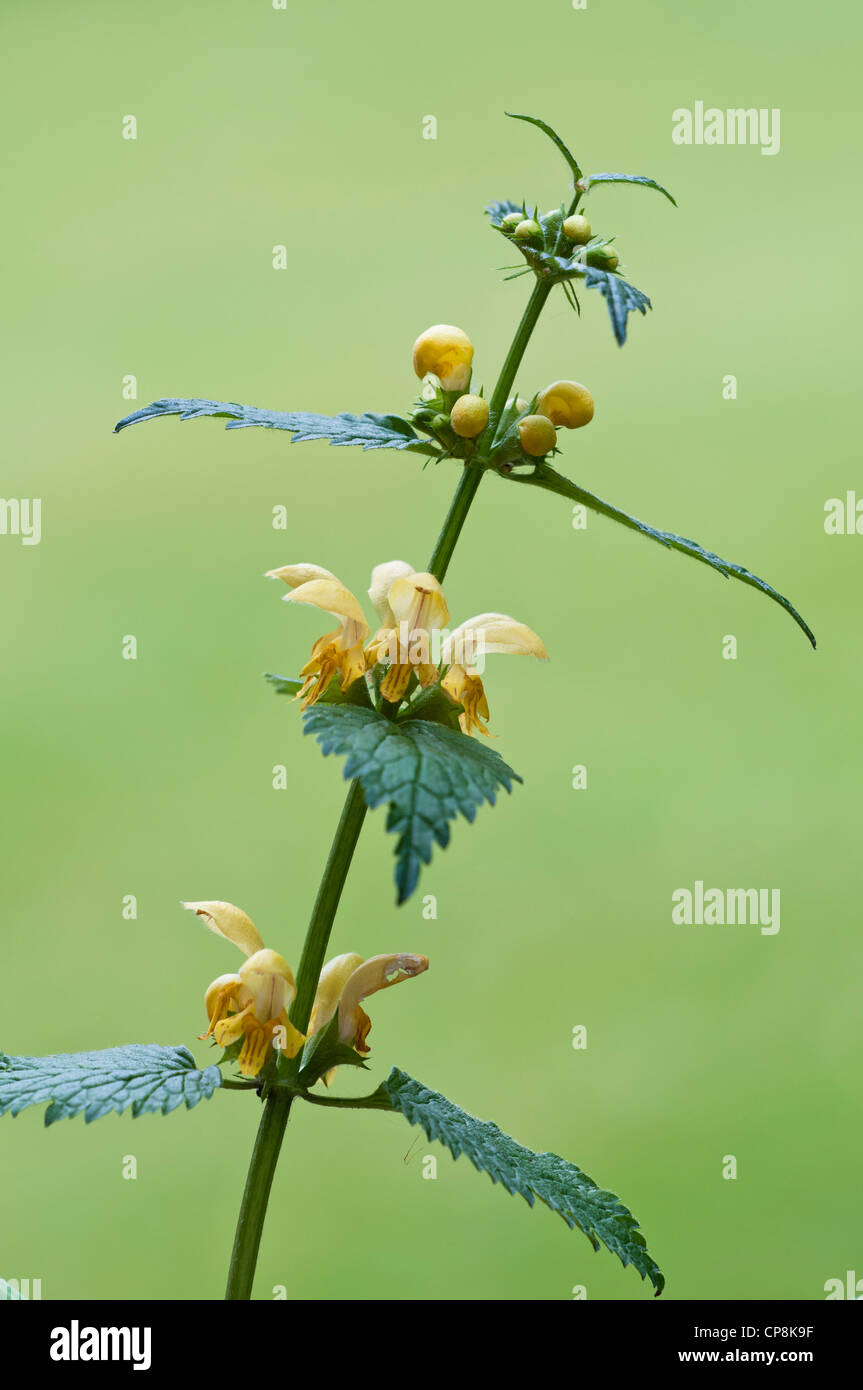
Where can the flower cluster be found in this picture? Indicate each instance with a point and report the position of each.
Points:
(252, 1004)
(412, 639)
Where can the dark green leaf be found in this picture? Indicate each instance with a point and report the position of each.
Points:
(621, 297)
(144, 1076)
(426, 774)
(283, 685)
(497, 211)
(323, 1051)
(552, 135)
(552, 481)
(356, 693)
(560, 1185)
(591, 179)
(369, 431)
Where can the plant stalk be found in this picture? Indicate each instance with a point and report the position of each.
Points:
(277, 1105)
(256, 1195)
(475, 467)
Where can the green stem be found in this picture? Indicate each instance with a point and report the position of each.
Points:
(475, 467)
(326, 903)
(256, 1195)
(534, 307)
(278, 1103)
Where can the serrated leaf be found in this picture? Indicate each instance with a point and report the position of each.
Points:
(591, 179)
(621, 297)
(426, 774)
(552, 481)
(562, 1186)
(146, 1077)
(553, 136)
(369, 431)
(497, 211)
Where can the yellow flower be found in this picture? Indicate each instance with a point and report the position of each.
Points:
(566, 403)
(415, 604)
(447, 352)
(412, 637)
(348, 979)
(253, 1003)
(336, 653)
(476, 638)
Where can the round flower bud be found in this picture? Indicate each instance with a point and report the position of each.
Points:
(537, 435)
(577, 228)
(518, 402)
(527, 229)
(511, 221)
(566, 403)
(603, 258)
(447, 352)
(469, 416)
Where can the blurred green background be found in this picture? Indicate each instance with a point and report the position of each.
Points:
(153, 257)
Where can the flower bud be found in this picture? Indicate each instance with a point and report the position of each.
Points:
(469, 416)
(447, 352)
(537, 435)
(603, 258)
(511, 221)
(518, 403)
(528, 229)
(577, 228)
(566, 403)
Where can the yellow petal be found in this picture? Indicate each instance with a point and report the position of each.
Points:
(229, 1029)
(225, 992)
(270, 982)
(395, 682)
(489, 633)
(467, 689)
(333, 597)
(418, 601)
(294, 575)
(254, 1052)
(290, 1039)
(566, 403)
(379, 972)
(333, 979)
(383, 578)
(447, 352)
(230, 922)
